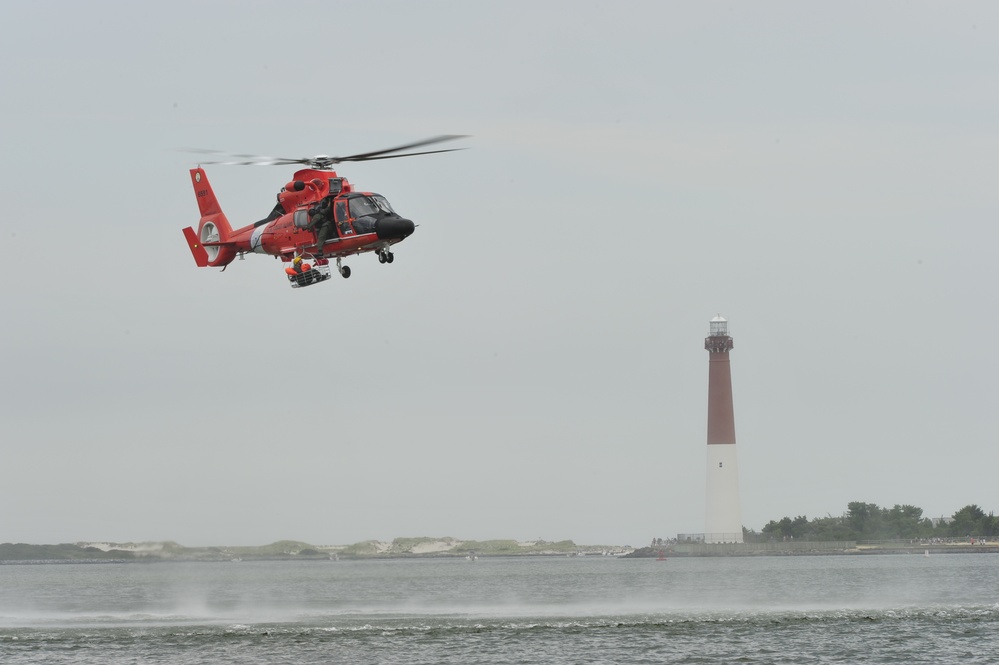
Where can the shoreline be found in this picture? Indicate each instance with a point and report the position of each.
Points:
(816, 548)
(642, 553)
(450, 548)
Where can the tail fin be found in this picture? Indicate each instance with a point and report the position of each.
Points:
(207, 202)
(210, 244)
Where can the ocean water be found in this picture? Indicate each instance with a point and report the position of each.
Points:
(824, 609)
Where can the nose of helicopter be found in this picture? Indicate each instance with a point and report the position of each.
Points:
(392, 228)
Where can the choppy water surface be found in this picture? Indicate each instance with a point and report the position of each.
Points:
(835, 609)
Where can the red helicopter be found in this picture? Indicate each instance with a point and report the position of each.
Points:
(318, 216)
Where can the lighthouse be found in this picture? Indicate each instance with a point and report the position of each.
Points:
(723, 514)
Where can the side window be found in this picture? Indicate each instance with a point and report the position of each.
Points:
(301, 219)
(342, 221)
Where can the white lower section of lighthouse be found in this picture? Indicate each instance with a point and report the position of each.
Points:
(723, 516)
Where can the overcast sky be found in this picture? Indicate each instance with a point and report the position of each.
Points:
(532, 363)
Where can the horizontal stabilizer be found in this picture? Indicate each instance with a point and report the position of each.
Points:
(197, 249)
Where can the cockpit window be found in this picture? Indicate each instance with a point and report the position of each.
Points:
(362, 206)
(383, 204)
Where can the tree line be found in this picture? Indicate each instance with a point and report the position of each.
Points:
(868, 521)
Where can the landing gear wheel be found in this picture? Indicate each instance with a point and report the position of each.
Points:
(381, 257)
(343, 270)
(389, 257)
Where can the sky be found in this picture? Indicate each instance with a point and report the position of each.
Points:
(532, 364)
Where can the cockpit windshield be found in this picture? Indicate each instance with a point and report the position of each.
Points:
(371, 205)
(382, 203)
(362, 206)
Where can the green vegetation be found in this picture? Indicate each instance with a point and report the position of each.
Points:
(281, 548)
(413, 545)
(64, 552)
(294, 550)
(497, 547)
(284, 549)
(511, 547)
(868, 521)
(425, 546)
(364, 548)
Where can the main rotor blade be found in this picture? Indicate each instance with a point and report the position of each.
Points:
(324, 161)
(408, 154)
(248, 160)
(372, 155)
(263, 161)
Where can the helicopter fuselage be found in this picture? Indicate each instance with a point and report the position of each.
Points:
(358, 222)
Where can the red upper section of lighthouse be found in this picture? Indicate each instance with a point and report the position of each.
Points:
(721, 415)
